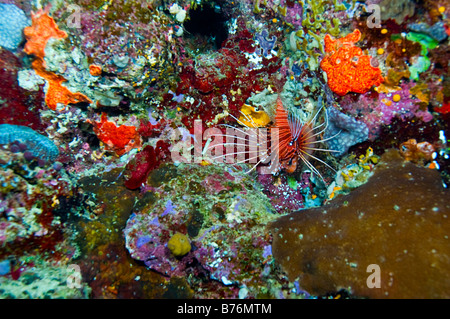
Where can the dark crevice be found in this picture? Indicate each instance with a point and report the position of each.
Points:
(207, 23)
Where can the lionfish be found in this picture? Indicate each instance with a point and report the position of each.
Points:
(297, 141)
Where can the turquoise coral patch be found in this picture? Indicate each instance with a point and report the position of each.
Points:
(39, 145)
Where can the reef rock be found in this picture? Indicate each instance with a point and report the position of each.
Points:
(220, 215)
(393, 230)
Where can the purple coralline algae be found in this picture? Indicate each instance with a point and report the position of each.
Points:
(29, 191)
(282, 196)
(383, 109)
(294, 14)
(266, 44)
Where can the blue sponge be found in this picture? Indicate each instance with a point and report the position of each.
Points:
(12, 22)
(346, 130)
(39, 145)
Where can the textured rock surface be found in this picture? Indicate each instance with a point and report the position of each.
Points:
(398, 220)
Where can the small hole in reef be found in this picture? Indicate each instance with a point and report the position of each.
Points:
(206, 27)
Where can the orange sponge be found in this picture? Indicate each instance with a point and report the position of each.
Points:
(43, 28)
(347, 68)
(120, 139)
(56, 92)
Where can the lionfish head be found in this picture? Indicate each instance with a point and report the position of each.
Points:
(297, 140)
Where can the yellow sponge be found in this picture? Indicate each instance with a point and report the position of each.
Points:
(179, 244)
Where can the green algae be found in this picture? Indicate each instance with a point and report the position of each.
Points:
(422, 63)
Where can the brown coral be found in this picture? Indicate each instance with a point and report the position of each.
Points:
(399, 220)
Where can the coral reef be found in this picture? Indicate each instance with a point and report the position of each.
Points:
(222, 80)
(138, 169)
(43, 280)
(31, 188)
(353, 174)
(44, 28)
(283, 197)
(56, 92)
(399, 11)
(19, 106)
(436, 31)
(344, 131)
(385, 108)
(92, 187)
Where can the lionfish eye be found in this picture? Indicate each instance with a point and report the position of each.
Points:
(291, 143)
